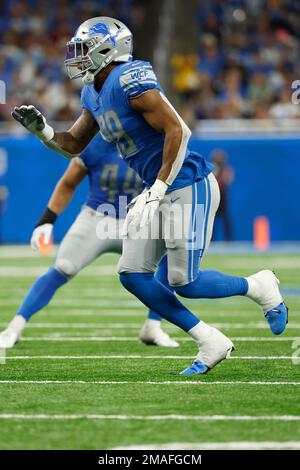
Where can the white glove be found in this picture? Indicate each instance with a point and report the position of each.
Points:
(143, 207)
(44, 230)
(33, 121)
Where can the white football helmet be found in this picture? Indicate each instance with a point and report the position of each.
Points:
(97, 42)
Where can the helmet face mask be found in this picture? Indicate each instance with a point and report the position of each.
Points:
(97, 42)
(77, 60)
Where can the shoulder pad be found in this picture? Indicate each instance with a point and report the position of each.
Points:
(139, 72)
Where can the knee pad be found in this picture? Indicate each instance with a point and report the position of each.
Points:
(177, 278)
(66, 267)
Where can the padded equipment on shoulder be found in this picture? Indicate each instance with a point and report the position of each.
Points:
(138, 78)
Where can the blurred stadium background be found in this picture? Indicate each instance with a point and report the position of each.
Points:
(227, 65)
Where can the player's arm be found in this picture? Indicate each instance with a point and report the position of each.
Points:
(78, 137)
(160, 114)
(66, 187)
(70, 143)
(59, 200)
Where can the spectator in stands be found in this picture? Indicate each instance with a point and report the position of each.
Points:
(211, 59)
(33, 38)
(185, 76)
(233, 103)
(283, 108)
(250, 53)
(243, 66)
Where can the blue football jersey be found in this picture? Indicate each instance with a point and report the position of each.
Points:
(140, 146)
(109, 177)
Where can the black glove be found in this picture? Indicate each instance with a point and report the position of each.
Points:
(33, 121)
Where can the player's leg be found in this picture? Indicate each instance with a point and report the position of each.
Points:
(197, 206)
(151, 332)
(79, 247)
(136, 267)
(38, 296)
(189, 281)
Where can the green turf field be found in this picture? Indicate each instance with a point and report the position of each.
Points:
(81, 380)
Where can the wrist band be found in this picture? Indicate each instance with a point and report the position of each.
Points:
(47, 133)
(48, 217)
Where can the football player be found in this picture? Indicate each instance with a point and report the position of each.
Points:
(96, 230)
(123, 98)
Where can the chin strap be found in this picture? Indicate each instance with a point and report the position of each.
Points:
(89, 76)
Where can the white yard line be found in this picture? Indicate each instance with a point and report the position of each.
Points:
(111, 270)
(27, 271)
(137, 356)
(81, 325)
(254, 263)
(100, 302)
(139, 312)
(170, 417)
(141, 382)
(234, 262)
(72, 291)
(18, 251)
(59, 337)
(239, 445)
(133, 312)
(121, 326)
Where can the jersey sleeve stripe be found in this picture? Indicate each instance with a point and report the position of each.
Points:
(141, 92)
(139, 84)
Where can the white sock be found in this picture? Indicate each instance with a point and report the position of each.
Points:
(252, 286)
(152, 324)
(17, 325)
(200, 332)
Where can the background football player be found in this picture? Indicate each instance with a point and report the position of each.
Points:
(123, 98)
(111, 182)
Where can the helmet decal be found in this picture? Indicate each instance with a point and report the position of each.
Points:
(101, 28)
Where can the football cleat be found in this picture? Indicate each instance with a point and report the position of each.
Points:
(213, 350)
(196, 368)
(264, 290)
(278, 318)
(11, 335)
(8, 339)
(152, 334)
